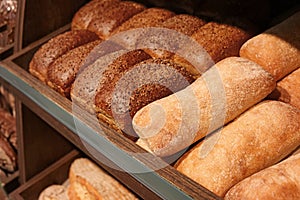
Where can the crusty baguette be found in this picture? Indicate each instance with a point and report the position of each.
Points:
(277, 49)
(89, 11)
(62, 72)
(288, 89)
(56, 47)
(259, 138)
(88, 182)
(112, 18)
(280, 181)
(217, 97)
(54, 192)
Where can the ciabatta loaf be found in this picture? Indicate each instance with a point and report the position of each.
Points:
(288, 89)
(89, 182)
(281, 181)
(277, 49)
(259, 138)
(225, 91)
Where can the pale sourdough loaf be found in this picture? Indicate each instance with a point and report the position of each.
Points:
(62, 72)
(288, 89)
(112, 18)
(277, 49)
(89, 11)
(257, 139)
(88, 182)
(222, 93)
(56, 47)
(281, 181)
(54, 192)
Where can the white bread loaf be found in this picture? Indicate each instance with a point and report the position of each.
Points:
(221, 94)
(89, 182)
(281, 181)
(54, 192)
(259, 138)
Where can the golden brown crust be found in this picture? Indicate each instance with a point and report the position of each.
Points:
(89, 11)
(105, 23)
(55, 48)
(259, 138)
(288, 89)
(278, 49)
(148, 18)
(89, 180)
(181, 24)
(281, 181)
(62, 72)
(221, 94)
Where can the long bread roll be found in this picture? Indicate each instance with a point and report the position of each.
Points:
(221, 94)
(259, 138)
(288, 89)
(281, 181)
(277, 49)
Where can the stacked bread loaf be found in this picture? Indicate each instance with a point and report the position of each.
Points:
(87, 181)
(177, 89)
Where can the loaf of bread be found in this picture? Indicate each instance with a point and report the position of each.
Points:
(164, 43)
(62, 72)
(54, 192)
(225, 91)
(277, 49)
(8, 157)
(219, 40)
(259, 138)
(112, 18)
(124, 93)
(8, 127)
(128, 33)
(89, 11)
(55, 48)
(88, 182)
(288, 89)
(281, 181)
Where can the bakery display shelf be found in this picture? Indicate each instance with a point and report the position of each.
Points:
(57, 173)
(6, 48)
(105, 146)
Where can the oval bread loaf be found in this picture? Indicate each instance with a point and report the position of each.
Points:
(259, 138)
(225, 91)
(280, 181)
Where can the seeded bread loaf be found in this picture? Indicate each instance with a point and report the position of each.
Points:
(112, 18)
(89, 11)
(55, 48)
(62, 72)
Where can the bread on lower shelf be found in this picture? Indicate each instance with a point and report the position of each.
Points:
(277, 49)
(280, 181)
(259, 138)
(87, 181)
